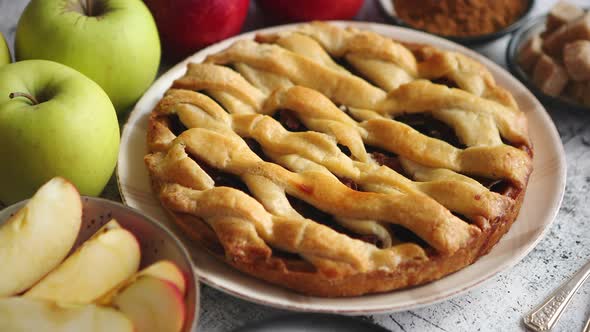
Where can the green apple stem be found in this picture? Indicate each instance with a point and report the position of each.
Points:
(30, 97)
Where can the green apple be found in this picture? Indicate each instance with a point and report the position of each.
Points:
(4, 51)
(58, 122)
(39, 236)
(104, 261)
(114, 42)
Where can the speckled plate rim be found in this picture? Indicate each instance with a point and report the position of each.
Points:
(541, 204)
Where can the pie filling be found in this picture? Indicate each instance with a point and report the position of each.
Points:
(175, 125)
(386, 158)
(445, 81)
(424, 123)
(289, 120)
(224, 179)
(429, 126)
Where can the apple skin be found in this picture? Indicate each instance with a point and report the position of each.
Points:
(152, 304)
(4, 51)
(19, 314)
(39, 236)
(188, 25)
(163, 270)
(73, 132)
(119, 50)
(168, 271)
(309, 10)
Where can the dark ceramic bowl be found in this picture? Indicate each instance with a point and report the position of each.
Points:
(389, 10)
(529, 29)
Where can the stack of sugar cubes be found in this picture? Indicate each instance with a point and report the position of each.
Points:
(559, 58)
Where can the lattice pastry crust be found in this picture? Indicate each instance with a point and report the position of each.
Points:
(292, 157)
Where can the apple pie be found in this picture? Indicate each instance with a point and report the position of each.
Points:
(339, 162)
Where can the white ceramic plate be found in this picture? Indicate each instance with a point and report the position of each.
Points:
(541, 203)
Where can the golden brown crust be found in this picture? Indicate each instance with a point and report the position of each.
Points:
(309, 282)
(197, 137)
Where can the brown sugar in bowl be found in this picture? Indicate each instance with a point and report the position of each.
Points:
(464, 21)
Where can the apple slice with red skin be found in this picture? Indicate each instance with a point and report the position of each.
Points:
(310, 10)
(20, 314)
(39, 236)
(152, 305)
(165, 270)
(101, 263)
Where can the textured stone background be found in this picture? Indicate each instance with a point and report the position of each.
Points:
(499, 304)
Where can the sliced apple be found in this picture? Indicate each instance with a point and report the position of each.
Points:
(106, 260)
(112, 224)
(39, 236)
(152, 305)
(166, 270)
(19, 314)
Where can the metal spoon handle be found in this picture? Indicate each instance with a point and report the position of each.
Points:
(587, 326)
(544, 316)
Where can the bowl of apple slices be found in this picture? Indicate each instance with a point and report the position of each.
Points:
(72, 263)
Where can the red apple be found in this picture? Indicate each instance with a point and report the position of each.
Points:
(188, 25)
(309, 10)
